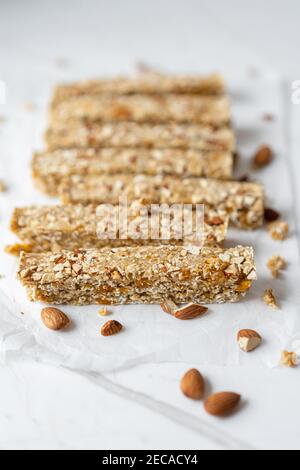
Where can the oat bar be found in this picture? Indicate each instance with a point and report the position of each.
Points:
(138, 275)
(68, 227)
(48, 168)
(243, 201)
(131, 134)
(141, 108)
(154, 84)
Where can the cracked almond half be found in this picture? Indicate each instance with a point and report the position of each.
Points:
(188, 312)
(249, 340)
(111, 327)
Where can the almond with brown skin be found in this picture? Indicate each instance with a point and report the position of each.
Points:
(111, 327)
(54, 319)
(192, 384)
(221, 404)
(190, 311)
(271, 215)
(249, 340)
(263, 157)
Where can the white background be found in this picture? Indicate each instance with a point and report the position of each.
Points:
(46, 407)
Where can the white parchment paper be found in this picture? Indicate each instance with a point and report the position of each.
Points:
(149, 334)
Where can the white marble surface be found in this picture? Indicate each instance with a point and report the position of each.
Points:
(42, 406)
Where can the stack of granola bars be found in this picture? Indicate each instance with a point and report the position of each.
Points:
(152, 140)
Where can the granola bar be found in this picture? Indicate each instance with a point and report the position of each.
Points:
(68, 227)
(154, 84)
(243, 201)
(132, 134)
(138, 275)
(144, 108)
(48, 168)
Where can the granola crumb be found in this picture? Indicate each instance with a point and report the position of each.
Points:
(276, 264)
(270, 298)
(289, 359)
(279, 230)
(3, 186)
(17, 248)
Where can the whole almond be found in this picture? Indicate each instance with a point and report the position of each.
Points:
(249, 340)
(221, 404)
(263, 157)
(54, 319)
(192, 384)
(111, 327)
(190, 311)
(271, 215)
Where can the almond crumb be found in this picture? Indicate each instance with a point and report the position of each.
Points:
(289, 359)
(270, 299)
(279, 230)
(276, 264)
